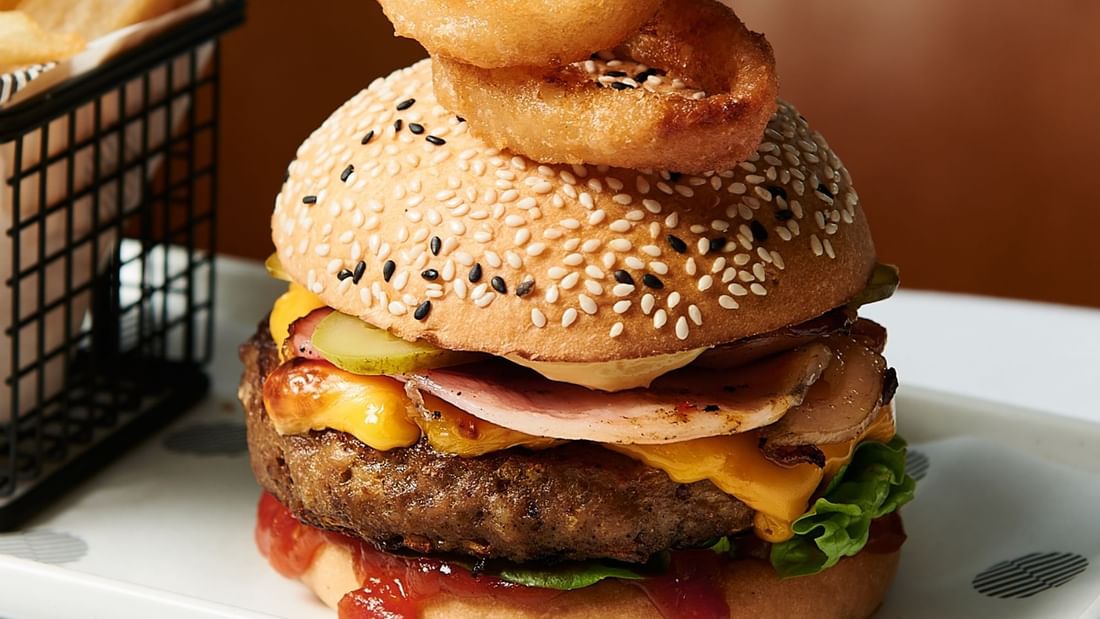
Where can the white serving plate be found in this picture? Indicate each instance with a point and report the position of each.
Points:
(167, 530)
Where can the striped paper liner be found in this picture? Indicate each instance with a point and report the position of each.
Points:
(13, 82)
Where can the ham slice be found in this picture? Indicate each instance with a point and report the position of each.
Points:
(300, 342)
(683, 405)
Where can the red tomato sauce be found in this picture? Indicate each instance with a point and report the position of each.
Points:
(396, 587)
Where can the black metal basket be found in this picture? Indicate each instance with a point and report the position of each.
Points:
(111, 183)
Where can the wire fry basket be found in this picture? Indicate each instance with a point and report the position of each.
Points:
(107, 220)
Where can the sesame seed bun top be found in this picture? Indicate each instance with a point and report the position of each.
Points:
(394, 212)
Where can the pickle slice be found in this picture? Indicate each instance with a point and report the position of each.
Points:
(357, 347)
(880, 286)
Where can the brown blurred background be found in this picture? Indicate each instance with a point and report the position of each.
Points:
(971, 127)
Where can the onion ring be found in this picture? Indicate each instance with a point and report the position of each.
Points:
(591, 112)
(505, 33)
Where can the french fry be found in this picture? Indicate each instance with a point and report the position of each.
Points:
(94, 18)
(24, 42)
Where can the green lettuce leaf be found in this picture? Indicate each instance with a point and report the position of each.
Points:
(568, 577)
(872, 485)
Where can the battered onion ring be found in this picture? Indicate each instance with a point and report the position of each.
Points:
(506, 33)
(562, 115)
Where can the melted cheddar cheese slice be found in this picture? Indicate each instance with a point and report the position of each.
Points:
(304, 395)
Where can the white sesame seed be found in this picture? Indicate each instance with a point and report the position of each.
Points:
(648, 301)
(815, 244)
(365, 296)
(622, 290)
(587, 304)
(690, 267)
(673, 300)
(682, 328)
(737, 290)
(594, 272)
(593, 287)
(758, 271)
(538, 318)
(660, 268)
(616, 329)
(552, 294)
(695, 314)
(485, 299)
(672, 220)
(829, 248)
(334, 266)
(621, 307)
(758, 290)
(619, 225)
(536, 249)
(569, 281)
(513, 259)
(622, 198)
(322, 250)
(621, 245)
(597, 217)
(573, 259)
(590, 245)
(702, 246)
(705, 282)
(493, 259)
(568, 317)
(397, 308)
(634, 262)
(660, 318)
(727, 302)
(586, 200)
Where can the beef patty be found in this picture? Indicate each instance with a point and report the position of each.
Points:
(574, 502)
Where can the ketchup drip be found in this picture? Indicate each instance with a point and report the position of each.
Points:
(689, 590)
(395, 587)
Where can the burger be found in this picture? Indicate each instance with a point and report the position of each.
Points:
(502, 387)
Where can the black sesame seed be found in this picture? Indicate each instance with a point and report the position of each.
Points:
(621, 86)
(498, 284)
(599, 85)
(435, 139)
(718, 243)
(435, 245)
(406, 104)
(784, 214)
(825, 190)
(674, 176)
(759, 233)
(475, 273)
(367, 138)
(346, 173)
(623, 277)
(360, 270)
(309, 200)
(676, 243)
(430, 274)
(416, 128)
(711, 408)
(777, 192)
(525, 287)
(652, 281)
(422, 310)
(397, 125)
(387, 270)
(645, 75)
(460, 119)
(344, 274)
(616, 73)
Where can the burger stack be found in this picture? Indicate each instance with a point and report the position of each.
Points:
(572, 329)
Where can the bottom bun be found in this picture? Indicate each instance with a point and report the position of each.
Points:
(852, 589)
